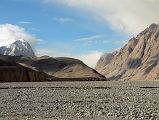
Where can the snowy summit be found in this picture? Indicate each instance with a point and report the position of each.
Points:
(17, 48)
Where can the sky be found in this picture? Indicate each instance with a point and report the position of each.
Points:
(82, 29)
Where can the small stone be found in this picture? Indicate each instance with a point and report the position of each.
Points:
(34, 117)
(99, 112)
(110, 114)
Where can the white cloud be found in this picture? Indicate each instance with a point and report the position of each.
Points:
(10, 33)
(130, 16)
(89, 38)
(63, 19)
(24, 22)
(89, 58)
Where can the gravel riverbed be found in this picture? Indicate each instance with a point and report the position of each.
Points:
(80, 101)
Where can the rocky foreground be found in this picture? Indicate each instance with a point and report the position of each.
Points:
(79, 101)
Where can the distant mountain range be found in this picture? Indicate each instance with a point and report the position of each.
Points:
(137, 60)
(18, 63)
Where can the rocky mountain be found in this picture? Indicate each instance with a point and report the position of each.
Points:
(137, 60)
(63, 67)
(28, 67)
(59, 68)
(19, 47)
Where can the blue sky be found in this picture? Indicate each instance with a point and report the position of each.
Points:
(66, 29)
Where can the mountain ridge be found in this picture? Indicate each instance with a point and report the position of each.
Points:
(137, 60)
(29, 68)
(61, 68)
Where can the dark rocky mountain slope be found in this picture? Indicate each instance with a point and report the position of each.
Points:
(13, 72)
(48, 68)
(66, 68)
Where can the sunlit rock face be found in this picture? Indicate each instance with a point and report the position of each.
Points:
(137, 60)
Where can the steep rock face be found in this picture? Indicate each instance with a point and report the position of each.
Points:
(19, 47)
(105, 59)
(13, 72)
(138, 59)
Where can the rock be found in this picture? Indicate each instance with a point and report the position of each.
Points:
(137, 60)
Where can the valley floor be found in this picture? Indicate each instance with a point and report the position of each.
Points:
(80, 101)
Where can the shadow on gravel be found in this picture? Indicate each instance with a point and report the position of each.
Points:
(148, 87)
(56, 87)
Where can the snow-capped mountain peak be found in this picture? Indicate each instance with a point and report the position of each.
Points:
(17, 48)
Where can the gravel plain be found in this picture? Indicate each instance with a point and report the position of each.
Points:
(106, 100)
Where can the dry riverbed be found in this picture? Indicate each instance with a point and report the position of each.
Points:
(79, 101)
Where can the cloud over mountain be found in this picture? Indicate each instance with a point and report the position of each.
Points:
(10, 33)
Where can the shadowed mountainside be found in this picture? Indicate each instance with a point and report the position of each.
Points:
(13, 72)
(26, 69)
